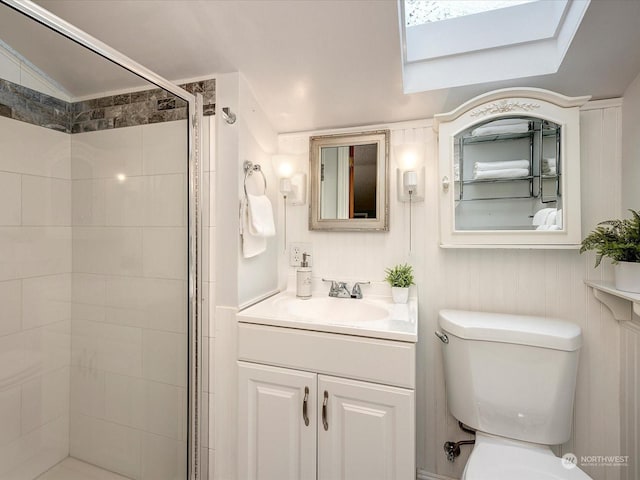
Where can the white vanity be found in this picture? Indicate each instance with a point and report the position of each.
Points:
(327, 389)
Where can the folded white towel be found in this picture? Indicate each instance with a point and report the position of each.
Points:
(559, 218)
(540, 217)
(548, 227)
(501, 165)
(251, 244)
(504, 173)
(261, 222)
(551, 218)
(498, 127)
(549, 166)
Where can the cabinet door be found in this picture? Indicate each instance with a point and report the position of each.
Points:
(369, 432)
(275, 443)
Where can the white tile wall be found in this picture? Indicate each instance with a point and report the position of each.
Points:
(123, 377)
(35, 295)
(108, 153)
(10, 199)
(46, 201)
(129, 308)
(32, 150)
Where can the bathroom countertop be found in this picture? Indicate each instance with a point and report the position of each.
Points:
(374, 316)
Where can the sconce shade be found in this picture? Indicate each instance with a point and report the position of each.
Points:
(410, 179)
(285, 186)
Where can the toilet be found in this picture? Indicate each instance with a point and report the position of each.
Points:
(512, 379)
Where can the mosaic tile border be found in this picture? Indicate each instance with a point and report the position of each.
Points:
(102, 113)
(27, 105)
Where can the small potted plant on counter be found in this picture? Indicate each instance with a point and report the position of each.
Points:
(400, 278)
(618, 240)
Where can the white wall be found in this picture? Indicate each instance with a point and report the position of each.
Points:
(35, 294)
(234, 279)
(631, 331)
(544, 282)
(129, 345)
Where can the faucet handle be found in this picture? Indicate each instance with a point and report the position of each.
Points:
(357, 292)
(334, 286)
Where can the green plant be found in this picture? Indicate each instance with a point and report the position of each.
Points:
(617, 239)
(400, 275)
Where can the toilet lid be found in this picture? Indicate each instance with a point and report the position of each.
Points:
(509, 462)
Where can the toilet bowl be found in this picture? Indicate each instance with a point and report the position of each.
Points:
(496, 458)
(512, 379)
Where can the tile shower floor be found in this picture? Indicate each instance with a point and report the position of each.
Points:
(73, 469)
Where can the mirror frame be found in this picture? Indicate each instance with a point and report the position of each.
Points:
(532, 102)
(381, 222)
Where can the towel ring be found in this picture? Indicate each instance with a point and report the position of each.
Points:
(249, 168)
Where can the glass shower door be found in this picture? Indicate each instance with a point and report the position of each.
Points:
(94, 265)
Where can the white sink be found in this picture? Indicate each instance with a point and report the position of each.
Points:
(373, 316)
(334, 310)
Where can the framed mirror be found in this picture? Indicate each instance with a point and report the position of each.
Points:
(349, 181)
(509, 164)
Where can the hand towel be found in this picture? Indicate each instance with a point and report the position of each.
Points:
(548, 227)
(540, 217)
(504, 173)
(501, 165)
(260, 213)
(251, 244)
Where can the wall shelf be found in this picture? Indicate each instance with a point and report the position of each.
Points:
(622, 304)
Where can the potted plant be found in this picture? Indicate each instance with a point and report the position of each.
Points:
(400, 278)
(618, 240)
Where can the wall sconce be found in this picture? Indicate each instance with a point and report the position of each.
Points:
(410, 177)
(410, 171)
(292, 186)
(284, 166)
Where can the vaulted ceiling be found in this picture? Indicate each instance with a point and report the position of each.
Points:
(313, 64)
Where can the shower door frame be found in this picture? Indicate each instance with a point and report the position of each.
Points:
(194, 206)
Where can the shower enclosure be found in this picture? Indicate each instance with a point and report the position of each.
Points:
(100, 319)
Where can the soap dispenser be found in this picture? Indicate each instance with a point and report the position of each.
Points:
(303, 279)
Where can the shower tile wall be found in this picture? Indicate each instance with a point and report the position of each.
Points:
(35, 290)
(128, 374)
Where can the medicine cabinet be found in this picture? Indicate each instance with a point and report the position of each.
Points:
(509, 170)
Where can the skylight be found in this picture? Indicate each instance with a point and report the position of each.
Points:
(418, 12)
(450, 43)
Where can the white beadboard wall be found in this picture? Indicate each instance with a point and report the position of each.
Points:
(630, 359)
(630, 354)
(536, 282)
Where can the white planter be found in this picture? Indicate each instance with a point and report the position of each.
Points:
(400, 294)
(627, 276)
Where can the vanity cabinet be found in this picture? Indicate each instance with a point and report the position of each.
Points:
(310, 410)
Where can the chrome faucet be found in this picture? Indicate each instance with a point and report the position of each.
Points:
(356, 292)
(340, 289)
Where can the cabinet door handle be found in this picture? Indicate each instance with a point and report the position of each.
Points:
(305, 402)
(325, 422)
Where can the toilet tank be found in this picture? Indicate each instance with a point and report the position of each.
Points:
(511, 375)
